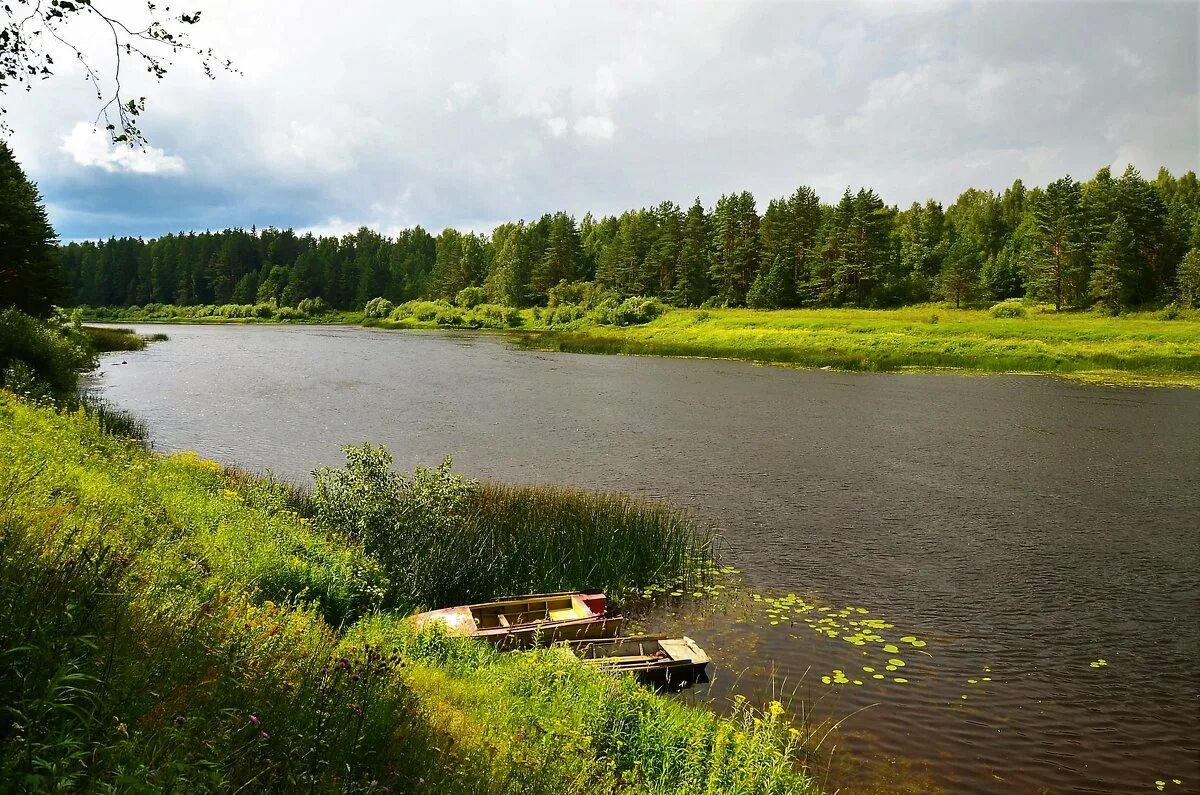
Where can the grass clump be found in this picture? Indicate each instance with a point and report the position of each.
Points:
(104, 340)
(168, 625)
(446, 540)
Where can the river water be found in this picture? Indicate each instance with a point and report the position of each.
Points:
(1035, 543)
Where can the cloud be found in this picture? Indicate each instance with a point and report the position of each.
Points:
(453, 114)
(600, 128)
(89, 146)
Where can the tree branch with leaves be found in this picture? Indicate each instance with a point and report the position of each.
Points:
(34, 32)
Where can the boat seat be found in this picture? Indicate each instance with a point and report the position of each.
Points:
(502, 620)
(563, 614)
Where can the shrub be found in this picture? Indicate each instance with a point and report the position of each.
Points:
(470, 297)
(637, 309)
(42, 358)
(313, 306)
(450, 316)
(565, 314)
(1009, 309)
(379, 308)
(494, 316)
(289, 313)
(263, 310)
(588, 295)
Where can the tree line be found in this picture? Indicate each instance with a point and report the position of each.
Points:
(1117, 242)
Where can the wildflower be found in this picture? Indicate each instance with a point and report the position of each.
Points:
(794, 732)
(179, 720)
(254, 719)
(776, 709)
(355, 678)
(264, 735)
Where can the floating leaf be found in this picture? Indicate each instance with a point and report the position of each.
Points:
(918, 644)
(896, 662)
(900, 680)
(891, 649)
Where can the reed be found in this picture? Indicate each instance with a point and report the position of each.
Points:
(550, 538)
(105, 339)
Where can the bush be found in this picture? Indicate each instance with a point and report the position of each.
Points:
(1009, 309)
(312, 306)
(565, 314)
(470, 297)
(494, 316)
(451, 316)
(588, 295)
(379, 308)
(289, 313)
(637, 309)
(263, 310)
(42, 358)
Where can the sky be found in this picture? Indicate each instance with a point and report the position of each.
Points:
(468, 114)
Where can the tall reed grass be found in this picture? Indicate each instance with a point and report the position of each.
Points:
(446, 540)
(105, 339)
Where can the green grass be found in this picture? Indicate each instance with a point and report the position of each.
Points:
(104, 340)
(166, 624)
(1131, 348)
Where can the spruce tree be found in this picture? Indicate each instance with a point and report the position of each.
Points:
(1189, 279)
(1056, 259)
(1108, 287)
(30, 278)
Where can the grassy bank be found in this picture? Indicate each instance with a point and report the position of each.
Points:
(1143, 348)
(166, 624)
(1133, 348)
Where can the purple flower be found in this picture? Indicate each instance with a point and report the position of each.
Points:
(254, 719)
(355, 678)
(264, 735)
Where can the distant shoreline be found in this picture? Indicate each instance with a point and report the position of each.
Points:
(1128, 350)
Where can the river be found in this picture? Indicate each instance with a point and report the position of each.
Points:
(1038, 539)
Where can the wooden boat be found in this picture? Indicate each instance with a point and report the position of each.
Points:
(657, 660)
(523, 621)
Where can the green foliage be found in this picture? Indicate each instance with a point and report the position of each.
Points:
(800, 252)
(442, 538)
(312, 307)
(637, 309)
(1189, 279)
(30, 280)
(470, 297)
(1008, 309)
(378, 308)
(103, 340)
(42, 358)
(1108, 287)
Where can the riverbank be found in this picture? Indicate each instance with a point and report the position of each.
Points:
(1134, 349)
(273, 667)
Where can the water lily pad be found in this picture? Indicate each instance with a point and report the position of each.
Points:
(896, 662)
(877, 676)
(918, 644)
(900, 680)
(891, 649)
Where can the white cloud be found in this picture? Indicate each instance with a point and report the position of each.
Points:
(456, 114)
(89, 146)
(600, 128)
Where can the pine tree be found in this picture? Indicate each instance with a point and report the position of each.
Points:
(959, 278)
(691, 268)
(1189, 279)
(1056, 260)
(30, 278)
(1108, 287)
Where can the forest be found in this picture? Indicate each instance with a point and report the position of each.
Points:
(1113, 242)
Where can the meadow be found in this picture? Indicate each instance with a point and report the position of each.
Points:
(166, 623)
(1136, 348)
